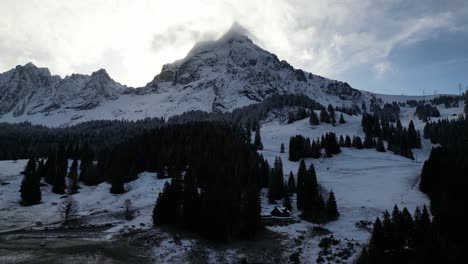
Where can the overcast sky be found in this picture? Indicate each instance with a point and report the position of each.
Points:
(387, 46)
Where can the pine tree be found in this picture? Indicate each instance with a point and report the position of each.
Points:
(380, 145)
(287, 202)
(313, 119)
(51, 167)
(342, 142)
(62, 162)
(291, 183)
(276, 183)
(190, 200)
(357, 143)
(387, 227)
(332, 209)
(399, 127)
(41, 169)
(248, 132)
(342, 121)
(368, 142)
(61, 165)
(167, 208)
(117, 182)
(331, 110)
(301, 174)
(310, 192)
(73, 178)
(377, 237)
(291, 117)
(258, 139)
(282, 148)
(324, 117)
(412, 135)
(30, 186)
(348, 141)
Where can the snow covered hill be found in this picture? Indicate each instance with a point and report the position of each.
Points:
(366, 183)
(219, 75)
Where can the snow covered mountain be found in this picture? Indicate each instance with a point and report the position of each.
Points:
(29, 90)
(238, 72)
(218, 75)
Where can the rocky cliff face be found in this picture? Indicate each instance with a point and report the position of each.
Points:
(28, 90)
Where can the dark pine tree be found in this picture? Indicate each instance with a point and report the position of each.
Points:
(287, 202)
(324, 117)
(61, 165)
(331, 208)
(51, 167)
(301, 174)
(258, 139)
(30, 186)
(291, 183)
(276, 183)
(377, 237)
(342, 121)
(348, 141)
(248, 132)
(357, 142)
(342, 142)
(368, 141)
(310, 192)
(41, 169)
(282, 148)
(413, 140)
(380, 145)
(313, 119)
(73, 178)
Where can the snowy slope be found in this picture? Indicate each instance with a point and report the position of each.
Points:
(96, 204)
(365, 183)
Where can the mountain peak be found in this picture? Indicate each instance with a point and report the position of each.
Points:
(235, 32)
(31, 68)
(28, 65)
(101, 72)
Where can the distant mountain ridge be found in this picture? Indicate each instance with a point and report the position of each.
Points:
(29, 90)
(215, 76)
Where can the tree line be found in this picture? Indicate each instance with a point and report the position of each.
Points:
(403, 238)
(301, 147)
(314, 206)
(24, 140)
(425, 111)
(400, 139)
(213, 192)
(421, 239)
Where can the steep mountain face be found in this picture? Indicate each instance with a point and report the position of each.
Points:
(217, 76)
(29, 90)
(239, 72)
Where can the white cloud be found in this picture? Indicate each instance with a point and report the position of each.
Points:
(384, 68)
(133, 39)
